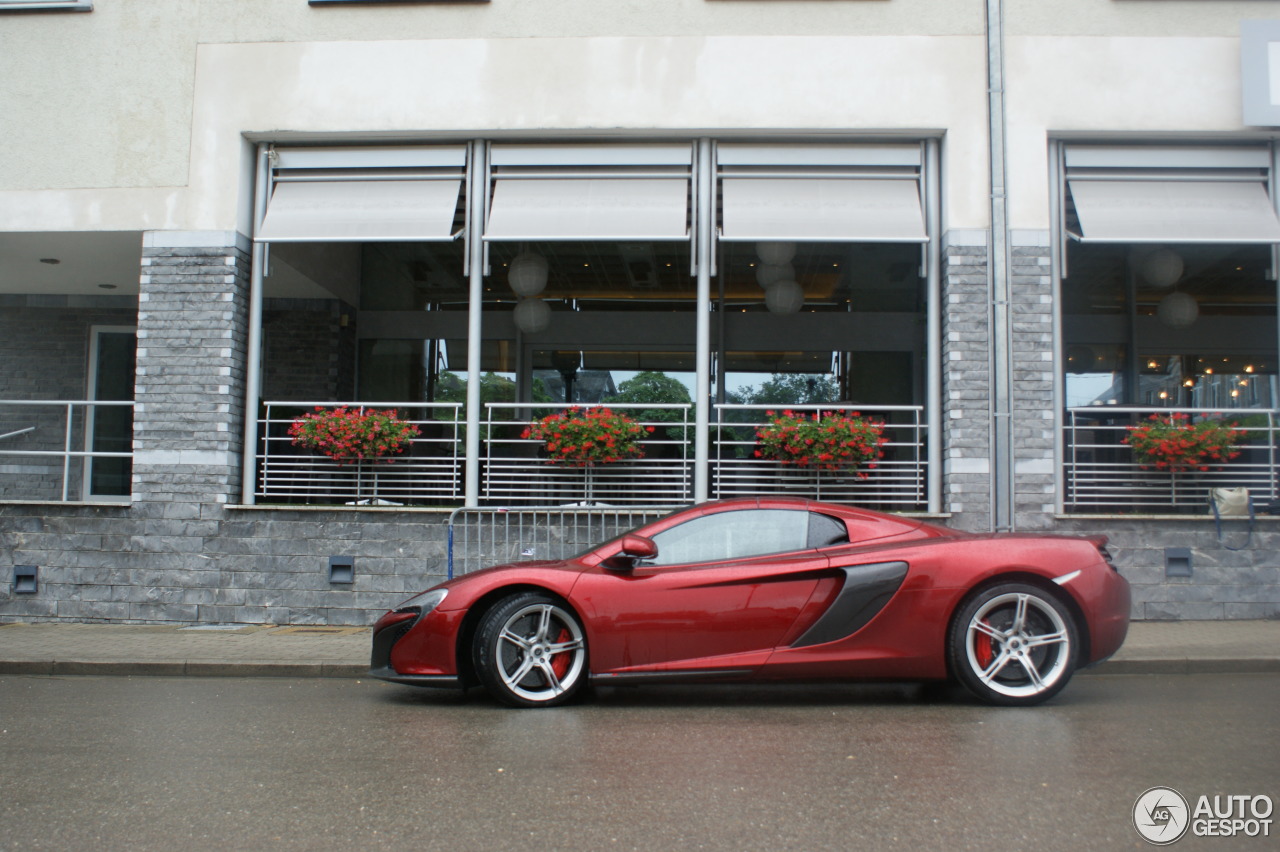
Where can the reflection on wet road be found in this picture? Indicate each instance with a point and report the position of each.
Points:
(158, 763)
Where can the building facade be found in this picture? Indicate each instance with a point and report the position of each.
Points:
(1010, 231)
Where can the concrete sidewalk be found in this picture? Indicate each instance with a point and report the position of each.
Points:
(1153, 647)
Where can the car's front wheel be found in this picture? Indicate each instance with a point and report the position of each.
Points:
(1014, 643)
(530, 651)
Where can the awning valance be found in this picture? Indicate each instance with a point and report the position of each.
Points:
(361, 211)
(823, 210)
(1173, 211)
(589, 209)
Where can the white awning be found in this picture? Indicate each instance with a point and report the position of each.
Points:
(823, 210)
(1174, 211)
(589, 209)
(361, 211)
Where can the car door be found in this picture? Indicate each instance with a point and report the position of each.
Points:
(722, 592)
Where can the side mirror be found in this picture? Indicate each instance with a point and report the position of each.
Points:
(634, 548)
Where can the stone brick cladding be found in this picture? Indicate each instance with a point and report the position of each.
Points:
(308, 352)
(1031, 321)
(966, 380)
(192, 331)
(209, 563)
(1234, 584)
(44, 345)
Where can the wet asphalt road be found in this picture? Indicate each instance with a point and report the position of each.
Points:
(267, 764)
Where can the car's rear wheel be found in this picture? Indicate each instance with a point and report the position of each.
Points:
(530, 651)
(1014, 643)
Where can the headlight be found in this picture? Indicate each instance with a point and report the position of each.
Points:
(424, 602)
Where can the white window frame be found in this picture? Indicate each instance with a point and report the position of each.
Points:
(46, 5)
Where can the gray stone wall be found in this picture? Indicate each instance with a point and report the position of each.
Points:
(966, 381)
(1031, 317)
(308, 350)
(1224, 583)
(192, 332)
(256, 566)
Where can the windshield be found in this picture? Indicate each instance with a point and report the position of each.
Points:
(593, 548)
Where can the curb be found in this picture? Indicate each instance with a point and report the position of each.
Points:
(185, 668)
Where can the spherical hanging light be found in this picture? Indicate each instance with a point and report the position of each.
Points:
(768, 273)
(532, 315)
(527, 274)
(784, 297)
(776, 253)
(1177, 310)
(1162, 268)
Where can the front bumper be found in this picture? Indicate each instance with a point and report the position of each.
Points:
(389, 674)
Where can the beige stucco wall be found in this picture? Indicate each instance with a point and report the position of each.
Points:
(133, 116)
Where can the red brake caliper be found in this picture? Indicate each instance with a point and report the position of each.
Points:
(982, 649)
(560, 662)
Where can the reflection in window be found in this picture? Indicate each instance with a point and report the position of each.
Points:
(733, 535)
(1178, 326)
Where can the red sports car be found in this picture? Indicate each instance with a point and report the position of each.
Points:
(769, 589)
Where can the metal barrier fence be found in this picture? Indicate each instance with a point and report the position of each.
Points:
(481, 537)
(1101, 474)
(60, 450)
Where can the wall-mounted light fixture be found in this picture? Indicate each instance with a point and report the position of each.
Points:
(26, 579)
(342, 569)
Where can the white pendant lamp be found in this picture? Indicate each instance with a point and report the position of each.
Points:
(776, 253)
(1162, 268)
(784, 297)
(1177, 310)
(532, 315)
(768, 273)
(527, 274)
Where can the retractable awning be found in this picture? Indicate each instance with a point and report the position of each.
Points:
(1173, 211)
(589, 209)
(822, 210)
(372, 210)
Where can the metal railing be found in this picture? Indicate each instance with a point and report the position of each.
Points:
(514, 474)
(898, 481)
(1101, 474)
(428, 472)
(38, 456)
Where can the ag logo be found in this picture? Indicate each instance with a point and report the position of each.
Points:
(1161, 815)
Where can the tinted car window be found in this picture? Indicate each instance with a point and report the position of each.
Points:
(733, 535)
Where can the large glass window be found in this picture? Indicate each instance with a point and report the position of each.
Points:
(582, 257)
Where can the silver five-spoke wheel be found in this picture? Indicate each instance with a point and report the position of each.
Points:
(530, 651)
(1014, 644)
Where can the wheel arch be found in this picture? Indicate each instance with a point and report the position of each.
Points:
(1016, 575)
(477, 610)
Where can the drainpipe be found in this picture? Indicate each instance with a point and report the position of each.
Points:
(477, 170)
(704, 253)
(1002, 498)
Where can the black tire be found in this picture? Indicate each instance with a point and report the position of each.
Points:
(1013, 644)
(530, 651)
